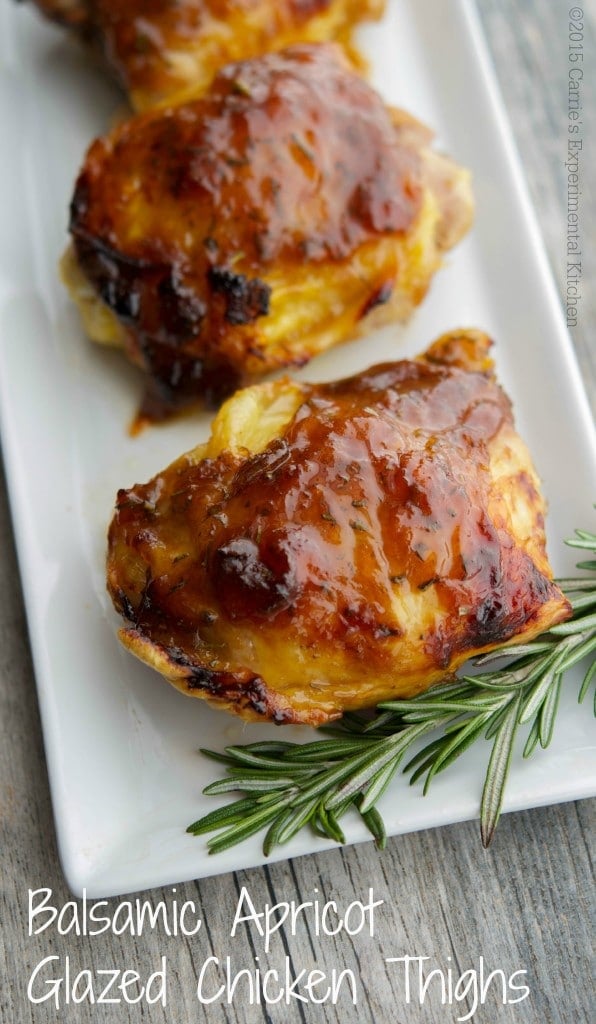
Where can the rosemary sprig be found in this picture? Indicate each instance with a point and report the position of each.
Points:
(288, 786)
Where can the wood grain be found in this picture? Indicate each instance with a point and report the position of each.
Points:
(525, 904)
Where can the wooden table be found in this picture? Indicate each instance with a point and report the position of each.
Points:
(523, 905)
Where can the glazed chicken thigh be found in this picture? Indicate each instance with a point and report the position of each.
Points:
(284, 211)
(161, 50)
(336, 545)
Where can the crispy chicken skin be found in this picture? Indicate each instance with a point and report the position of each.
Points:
(161, 50)
(336, 545)
(258, 225)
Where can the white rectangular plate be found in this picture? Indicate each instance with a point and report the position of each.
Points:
(121, 746)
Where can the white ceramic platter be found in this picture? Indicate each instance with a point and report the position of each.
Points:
(121, 746)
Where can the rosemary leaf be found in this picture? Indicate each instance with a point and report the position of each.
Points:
(496, 775)
(220, 817)
(519, 650)
(249, 784)
(548, 711)
(588, 622)
(286, 825)
(297, 821)
(247, 757)
(244, 828)
(583, 540)
(533, 739)
(377, 785)
(578, 653)
(214, 755)
(329, 824)
(268, 747)
(538, 695)
(496, 719)
(428, 712)
(589, 676)
(577, 584)
(582, 601)
(329, 749)
(375, 825)
(508, 678)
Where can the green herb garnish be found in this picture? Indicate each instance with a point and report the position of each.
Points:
(287, 786)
